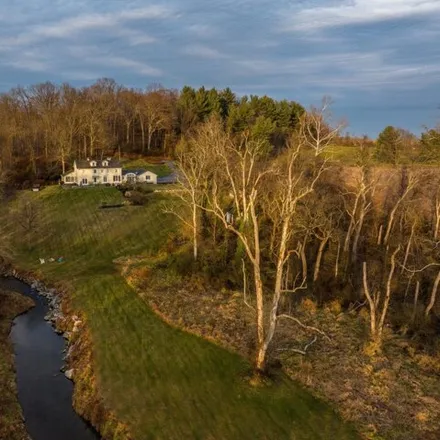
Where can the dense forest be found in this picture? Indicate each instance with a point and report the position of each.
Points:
(43, 127)
(307, 224)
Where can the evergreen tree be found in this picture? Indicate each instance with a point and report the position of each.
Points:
(388, 145)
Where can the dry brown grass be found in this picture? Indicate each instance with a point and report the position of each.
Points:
(390, 394)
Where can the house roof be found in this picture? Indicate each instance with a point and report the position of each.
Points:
(137, 172)
(84, 164)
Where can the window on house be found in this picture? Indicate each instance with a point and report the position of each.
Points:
(95, 171)
(84, 181)
(105, 163)
(116, 178)
(147, 177)
(93, 164)
(105, 179)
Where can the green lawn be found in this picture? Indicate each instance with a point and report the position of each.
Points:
(163, 382)
(342, 154)
(161, 170)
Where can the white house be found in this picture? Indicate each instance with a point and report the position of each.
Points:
(139, 176)
(93, 171)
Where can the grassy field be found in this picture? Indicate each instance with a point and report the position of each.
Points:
(11, 419)
(163, 382)
(161, 170)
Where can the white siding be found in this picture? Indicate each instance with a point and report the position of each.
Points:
(90, 176)
(148, 177)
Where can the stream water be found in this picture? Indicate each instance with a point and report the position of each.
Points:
(45, 394)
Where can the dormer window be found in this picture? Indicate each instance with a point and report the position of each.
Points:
(104, 163)
(93, 163)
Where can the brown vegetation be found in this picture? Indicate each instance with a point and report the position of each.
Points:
(390, 394)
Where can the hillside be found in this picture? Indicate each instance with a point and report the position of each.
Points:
(160, 381)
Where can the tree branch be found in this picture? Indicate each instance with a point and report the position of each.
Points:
(304, 326)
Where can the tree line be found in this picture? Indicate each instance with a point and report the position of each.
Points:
(45, 126)
(290, 224)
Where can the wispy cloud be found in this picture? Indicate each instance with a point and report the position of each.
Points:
(202, 51)
(122, 62)
(94, 57)
(202, 30)
(351, 12)
(359, 50)
(69, 27)
(347, 70)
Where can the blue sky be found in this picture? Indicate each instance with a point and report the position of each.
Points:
(378, 59)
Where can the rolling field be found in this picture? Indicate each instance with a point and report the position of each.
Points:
(164, 383)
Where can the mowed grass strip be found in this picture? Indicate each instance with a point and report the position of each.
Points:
(165, 383)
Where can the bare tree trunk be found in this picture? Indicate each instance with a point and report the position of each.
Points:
(408, 246)
(411, 183)
(416, 298)
(63, 161)
(133, 142)
(371, 302)
(142, 133)
(149, 138)
(262, 347)
(281, 262)
(46, 148)
(127, 132)
(437, 218)
(303, 258)
(433, 296)
(408, 285)
(351, 226)
(359, 226)
(379, 235)
(195, 231)
(319, 258)
(337, 259)
(387, 294)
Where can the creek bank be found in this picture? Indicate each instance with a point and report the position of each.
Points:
(79, 365)
(12, 425)
(44, 394)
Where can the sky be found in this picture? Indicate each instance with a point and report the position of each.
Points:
(379, 60)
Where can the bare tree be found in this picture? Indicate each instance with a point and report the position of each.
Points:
(378, 300)
(408, 187)
(316, 131)
(433, 296)
(358, 203)
(192, 164)
(27, 216)
(437, 218)
(241, 174)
